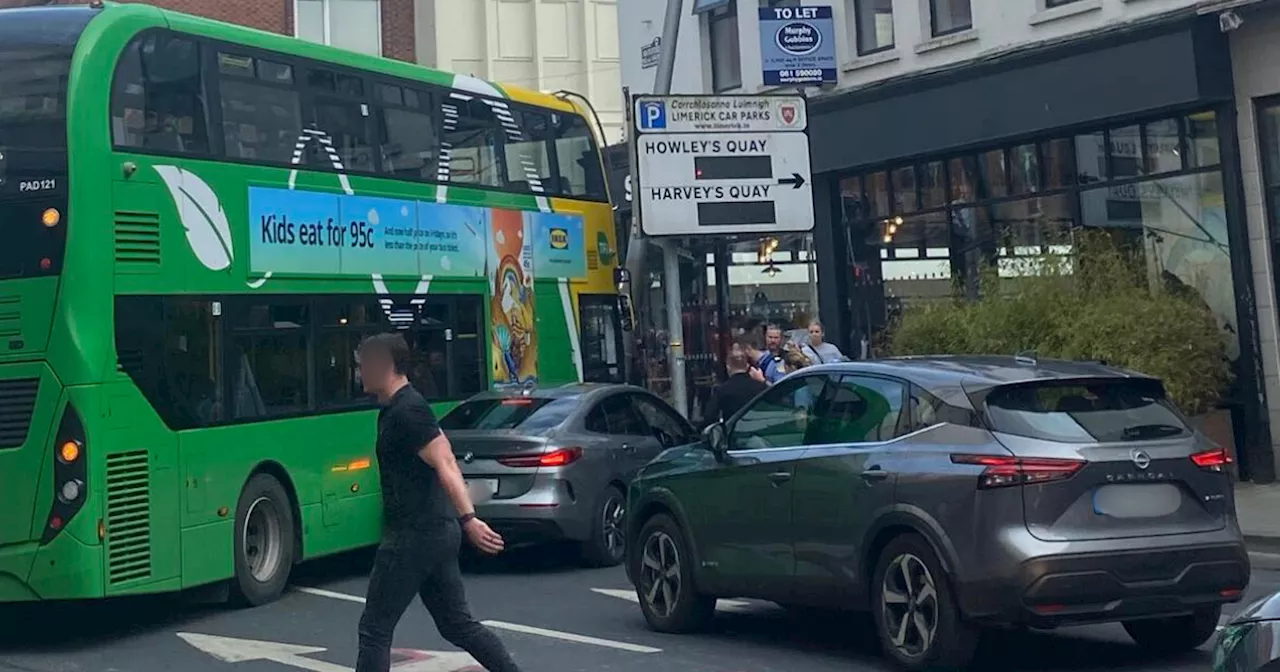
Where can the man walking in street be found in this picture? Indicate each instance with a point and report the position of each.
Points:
(426, 510)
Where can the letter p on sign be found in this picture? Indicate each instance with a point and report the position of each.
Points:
(653, 115)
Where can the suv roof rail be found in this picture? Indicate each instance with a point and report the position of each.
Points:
(1027, 357)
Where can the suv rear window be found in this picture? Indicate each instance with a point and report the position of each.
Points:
(1085, 411)
(524, 413)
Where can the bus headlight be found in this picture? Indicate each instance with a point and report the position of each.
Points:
(70, 491)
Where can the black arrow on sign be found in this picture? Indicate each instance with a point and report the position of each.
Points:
(796, 180)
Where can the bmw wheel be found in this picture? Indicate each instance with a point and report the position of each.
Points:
(607, 545)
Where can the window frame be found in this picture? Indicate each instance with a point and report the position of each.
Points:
(933, 20)
(818, 404)
(328, 33)
(728, 13)
(210, 48)
(859, 49)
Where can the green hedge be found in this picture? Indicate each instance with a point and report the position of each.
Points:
(1100, 303)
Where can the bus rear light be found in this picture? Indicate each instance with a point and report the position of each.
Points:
(70, 473)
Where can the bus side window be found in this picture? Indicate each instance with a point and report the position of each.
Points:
(407, 137)
(579, 163)
(338, 107)
(470, 142)
(261, 113)
(170, 348)
(158, 99)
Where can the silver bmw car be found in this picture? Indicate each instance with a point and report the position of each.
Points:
(554, 464)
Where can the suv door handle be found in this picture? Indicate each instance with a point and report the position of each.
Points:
(780, 477)
(628, 448)
(874, 474)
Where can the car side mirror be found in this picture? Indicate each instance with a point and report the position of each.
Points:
(716, 438)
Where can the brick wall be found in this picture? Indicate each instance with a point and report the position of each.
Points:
(275, 16)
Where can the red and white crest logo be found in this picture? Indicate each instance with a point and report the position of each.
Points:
(789, 114)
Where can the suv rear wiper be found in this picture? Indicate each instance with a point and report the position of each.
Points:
(1151, 431)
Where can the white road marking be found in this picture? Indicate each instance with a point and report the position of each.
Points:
(630, 596)
(571, 637)
(233, 650)
(320, 592)
(514, 627)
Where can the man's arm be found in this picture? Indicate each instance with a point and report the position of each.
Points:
(438, 453)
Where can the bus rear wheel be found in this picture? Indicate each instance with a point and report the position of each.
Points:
(264, 541)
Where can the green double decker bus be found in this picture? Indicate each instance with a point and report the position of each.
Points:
(201, 222)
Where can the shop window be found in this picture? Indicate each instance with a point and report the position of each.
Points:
(1091, 158)
(963, 173)
(1180, 223)
(1024, 170)
(950, 16)
(873, 25)
(471, 141)
(993, 171)
(1126, 155)
(1030, 227)
(580, 173)
(261, 115)
(905, 196)
(853, 205)
(355, 25)
(1058, 166)
(169, 347)
(158, 102)
(877, 193)
(1202, 140)
(933, 185)
(726, 53)
(407, 136)
(1163, 147)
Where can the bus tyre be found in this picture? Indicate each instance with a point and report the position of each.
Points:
(606, 547)
(264, 541)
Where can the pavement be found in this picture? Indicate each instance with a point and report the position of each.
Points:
(553, 615)
(1258, 512)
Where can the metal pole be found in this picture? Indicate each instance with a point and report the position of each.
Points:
(636, 246)
(675, 325)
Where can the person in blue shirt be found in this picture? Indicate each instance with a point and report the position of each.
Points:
(769, 364)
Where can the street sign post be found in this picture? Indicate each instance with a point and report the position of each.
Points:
(723, 164)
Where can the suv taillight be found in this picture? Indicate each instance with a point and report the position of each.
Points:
(1212, 460)
(1005, 470)
(70, 474)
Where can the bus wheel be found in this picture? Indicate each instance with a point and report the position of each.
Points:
(264, 541)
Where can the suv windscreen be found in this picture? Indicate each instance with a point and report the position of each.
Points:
(1085, 411)
(529, 414)
(36, 46)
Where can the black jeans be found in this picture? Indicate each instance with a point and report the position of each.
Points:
(423, 563)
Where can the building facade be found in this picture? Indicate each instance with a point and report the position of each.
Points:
(964, 133)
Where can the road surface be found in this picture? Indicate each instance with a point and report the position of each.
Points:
(554, 616)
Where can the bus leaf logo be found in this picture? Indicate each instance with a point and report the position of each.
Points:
(202, 216)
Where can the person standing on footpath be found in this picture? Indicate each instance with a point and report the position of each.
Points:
(426, 510)
(743, 384)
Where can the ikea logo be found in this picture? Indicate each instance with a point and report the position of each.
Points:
(559, 239)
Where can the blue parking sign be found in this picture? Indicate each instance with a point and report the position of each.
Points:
(653, 115)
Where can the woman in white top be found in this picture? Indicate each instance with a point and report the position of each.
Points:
(819, 351)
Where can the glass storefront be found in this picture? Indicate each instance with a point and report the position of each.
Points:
(915, 232)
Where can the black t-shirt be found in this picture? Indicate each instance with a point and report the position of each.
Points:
(731, 396)
(412, 495)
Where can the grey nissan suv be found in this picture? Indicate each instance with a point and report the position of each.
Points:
(947, 494)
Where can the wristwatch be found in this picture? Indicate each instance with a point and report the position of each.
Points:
(466, 518)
